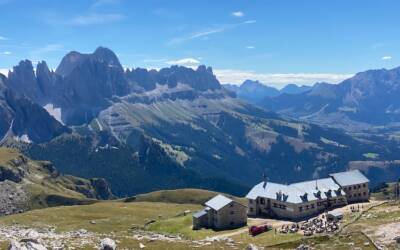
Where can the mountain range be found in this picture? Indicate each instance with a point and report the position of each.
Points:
(144, 130)
(255, 91)
(367, 101)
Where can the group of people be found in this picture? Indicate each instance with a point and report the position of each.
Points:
(309, 227)
(355, 209)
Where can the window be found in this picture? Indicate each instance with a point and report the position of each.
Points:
(364, 185)
(319, 204)
(365, 193)
(262, 201)
(312, 206)
(275, 205)
(307, 207)
(359, 186)
(350, 196)
(300, 209)
(349, 188)
(251, 209)
(232, 212)
(359, 194)
(251, 201)
(231, 205)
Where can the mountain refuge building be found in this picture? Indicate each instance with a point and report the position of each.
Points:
(220, 213)
(304, 199)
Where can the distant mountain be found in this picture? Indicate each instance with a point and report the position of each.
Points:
(294, 89)
(177, 127)
(255, 91)
(367, 100)
(24, 120)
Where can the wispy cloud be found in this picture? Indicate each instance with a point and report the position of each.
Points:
(94, 19)
(387, 58)
(207, 32)
(156, 60)
(2, 38)
(376, 46)
(6, 53)
(250, 47)
(279, 79)
(41, 52)
(237, 14)
(187, 62)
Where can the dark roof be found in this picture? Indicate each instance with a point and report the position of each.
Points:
(200, 213)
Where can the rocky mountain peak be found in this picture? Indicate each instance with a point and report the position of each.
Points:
(74, 59)
(106, 55)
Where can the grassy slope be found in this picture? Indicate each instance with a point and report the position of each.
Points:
(121, 218)
(181, 196)
(43, 188)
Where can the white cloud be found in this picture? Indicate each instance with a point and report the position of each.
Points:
(3, 38)
(6, 53)
(207, 32)
(250, 47)
(386, 58)
(187, 62)
(94, 19)
(238, 14)
(278, 79)
(4, 71)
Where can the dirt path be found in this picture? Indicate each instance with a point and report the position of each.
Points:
(254, 222)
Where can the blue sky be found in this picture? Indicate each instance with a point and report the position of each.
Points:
(274, 41)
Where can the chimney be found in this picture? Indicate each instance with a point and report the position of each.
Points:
(264, 179)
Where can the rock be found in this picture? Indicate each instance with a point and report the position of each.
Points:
(32, 234)
(141, 246)
(303, 247)
(108, 244)
(397, 239)
(26, 244)
(252, 247)
(15, 245)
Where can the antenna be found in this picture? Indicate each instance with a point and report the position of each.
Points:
(316, 184)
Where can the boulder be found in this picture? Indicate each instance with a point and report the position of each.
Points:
(26, 244)
(252, 247)
(107, 244)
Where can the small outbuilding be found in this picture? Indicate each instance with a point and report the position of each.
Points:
(220, 213)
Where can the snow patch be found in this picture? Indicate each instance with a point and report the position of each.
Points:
(23, 138)
(54, 112)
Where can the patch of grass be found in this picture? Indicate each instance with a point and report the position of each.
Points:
(343, 241)
(266, 239)
(7, 154)
(371, 155)
(109, 216)
(182, 225)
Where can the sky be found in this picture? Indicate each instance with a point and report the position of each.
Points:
(276, 42)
